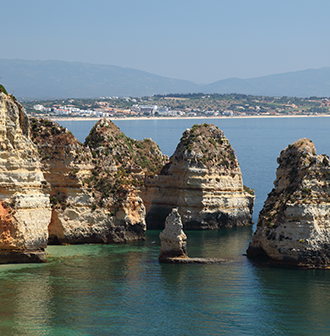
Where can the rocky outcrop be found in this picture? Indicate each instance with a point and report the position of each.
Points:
(174, 243)
(203, 180)
(172, 238)
(24, 194)
(294, 225)
(94, 186)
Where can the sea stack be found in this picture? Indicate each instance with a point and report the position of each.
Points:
(25, 210)
(174, 243)
(294, 225)
(94, 186)
(203, 180)
(172, 238)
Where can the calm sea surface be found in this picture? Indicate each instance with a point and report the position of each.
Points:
(123, 290)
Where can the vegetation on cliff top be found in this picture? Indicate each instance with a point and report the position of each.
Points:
(57, 146)
(110, 165)
(2, 89)
(121, 163)
(206, 143)
(115, 164)
(106, 139)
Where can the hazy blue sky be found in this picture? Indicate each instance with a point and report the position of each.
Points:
(201, 41)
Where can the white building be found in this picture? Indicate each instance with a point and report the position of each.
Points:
(144, 109)
(162, 111)
(39, 107)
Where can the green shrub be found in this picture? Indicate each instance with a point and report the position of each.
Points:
(194, 127)
(2, 89)
(212, 141)
(248, 190)
(53, 200)
(306, 191)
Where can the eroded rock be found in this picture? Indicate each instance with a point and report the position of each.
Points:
(294, 225)
(203, 180)
(174, 243)
(24, 193)
(172, 238)
(94, 186)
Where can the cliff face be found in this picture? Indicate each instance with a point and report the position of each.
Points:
(24, 194)
(294, 225)
(203, 180)
(94, 185)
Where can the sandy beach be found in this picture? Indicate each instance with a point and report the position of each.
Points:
(194, 118)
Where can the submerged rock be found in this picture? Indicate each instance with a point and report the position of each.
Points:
(203, 180)
(294, 225)
(24, 193)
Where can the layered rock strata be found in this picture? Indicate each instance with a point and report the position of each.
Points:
(94, 185)
(203, 180)
(294, 225)
(24, 193)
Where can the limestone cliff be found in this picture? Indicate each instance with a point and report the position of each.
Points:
(203, 180)
(24, 194)
(294, 225)
(94, 185)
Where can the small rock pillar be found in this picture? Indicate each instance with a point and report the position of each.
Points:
(173, 239)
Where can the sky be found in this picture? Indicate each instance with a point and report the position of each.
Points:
(197, 40)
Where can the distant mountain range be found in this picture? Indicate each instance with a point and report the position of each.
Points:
(57, 79)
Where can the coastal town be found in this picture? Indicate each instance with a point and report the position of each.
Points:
(179, 105)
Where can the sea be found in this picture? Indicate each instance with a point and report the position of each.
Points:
(123, 290)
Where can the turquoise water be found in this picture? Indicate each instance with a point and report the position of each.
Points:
(123, 290)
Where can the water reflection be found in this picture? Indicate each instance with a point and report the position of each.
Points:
(26, 299)
(223, 243)
(123, 290)
(293, 302)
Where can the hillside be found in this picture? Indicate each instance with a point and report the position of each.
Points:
(57, 79)
(306, 83)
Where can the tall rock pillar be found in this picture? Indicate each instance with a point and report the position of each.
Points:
(24, 197)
